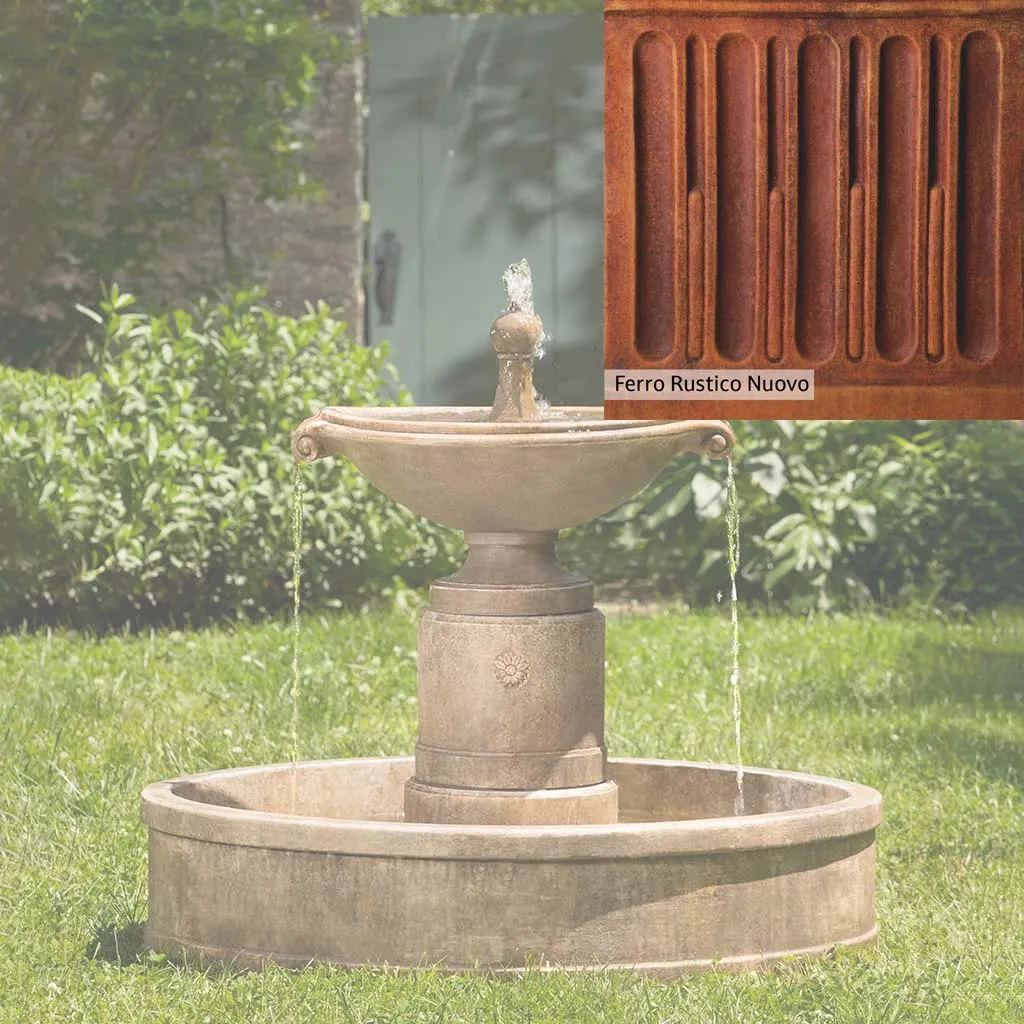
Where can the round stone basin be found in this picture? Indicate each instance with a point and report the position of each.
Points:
(314, 863)
(454, 466)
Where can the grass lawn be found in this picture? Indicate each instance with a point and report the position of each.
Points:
(930, 712)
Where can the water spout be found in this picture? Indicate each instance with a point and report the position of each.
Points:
(516, 336)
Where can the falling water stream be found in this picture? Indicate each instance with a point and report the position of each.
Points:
(732, 522)
(296, 580)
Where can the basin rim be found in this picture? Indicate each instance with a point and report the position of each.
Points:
(165, 810)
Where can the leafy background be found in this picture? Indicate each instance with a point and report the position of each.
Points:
(155, 484)
(158, 488)
(118, 121)
(837, 514)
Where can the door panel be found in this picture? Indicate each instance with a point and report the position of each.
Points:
(485, 146)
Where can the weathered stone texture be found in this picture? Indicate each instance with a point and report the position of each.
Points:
(299, 250)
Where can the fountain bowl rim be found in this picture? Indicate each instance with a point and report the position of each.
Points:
(458, 426)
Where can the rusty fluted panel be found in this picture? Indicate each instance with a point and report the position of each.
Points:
(620, 191)
(695, 105)
(817, 189)
(844, 193)
(857, 136)
(939, 98)
(777, 118)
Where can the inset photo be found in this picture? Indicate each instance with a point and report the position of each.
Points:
(814, 214)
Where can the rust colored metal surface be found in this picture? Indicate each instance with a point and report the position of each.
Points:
(808, 185)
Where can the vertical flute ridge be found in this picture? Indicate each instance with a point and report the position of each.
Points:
(977, 213)
(695, 281)
(776, 272)
(855, 318)
(695, 142)
(736, 103)
(898, 127)
(656, 170)
(858, 175)
(818, 211)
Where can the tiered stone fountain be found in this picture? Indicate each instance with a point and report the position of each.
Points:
(510, 838)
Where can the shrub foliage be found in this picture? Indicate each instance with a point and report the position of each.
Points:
(832, 514)
(159, 486)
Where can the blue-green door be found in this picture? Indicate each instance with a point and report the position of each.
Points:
(485, 145)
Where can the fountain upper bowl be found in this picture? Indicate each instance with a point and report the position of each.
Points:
(455, 466)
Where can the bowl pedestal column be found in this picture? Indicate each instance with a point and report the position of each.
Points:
(511, 693)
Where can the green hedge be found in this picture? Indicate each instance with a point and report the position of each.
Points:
(158, 487)
(832, 514)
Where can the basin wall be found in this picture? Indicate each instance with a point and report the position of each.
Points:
(247, 885)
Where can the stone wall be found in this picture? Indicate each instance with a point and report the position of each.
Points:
(301, 250)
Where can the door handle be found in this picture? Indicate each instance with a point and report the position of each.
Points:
(387, 258)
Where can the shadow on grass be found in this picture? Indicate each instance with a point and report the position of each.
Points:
(941, 673)
(126, 947)
(942, 710)
(928, 673)
(963, 682)
(123, 946)
(964, 746)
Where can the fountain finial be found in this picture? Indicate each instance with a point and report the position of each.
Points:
(516, 336)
